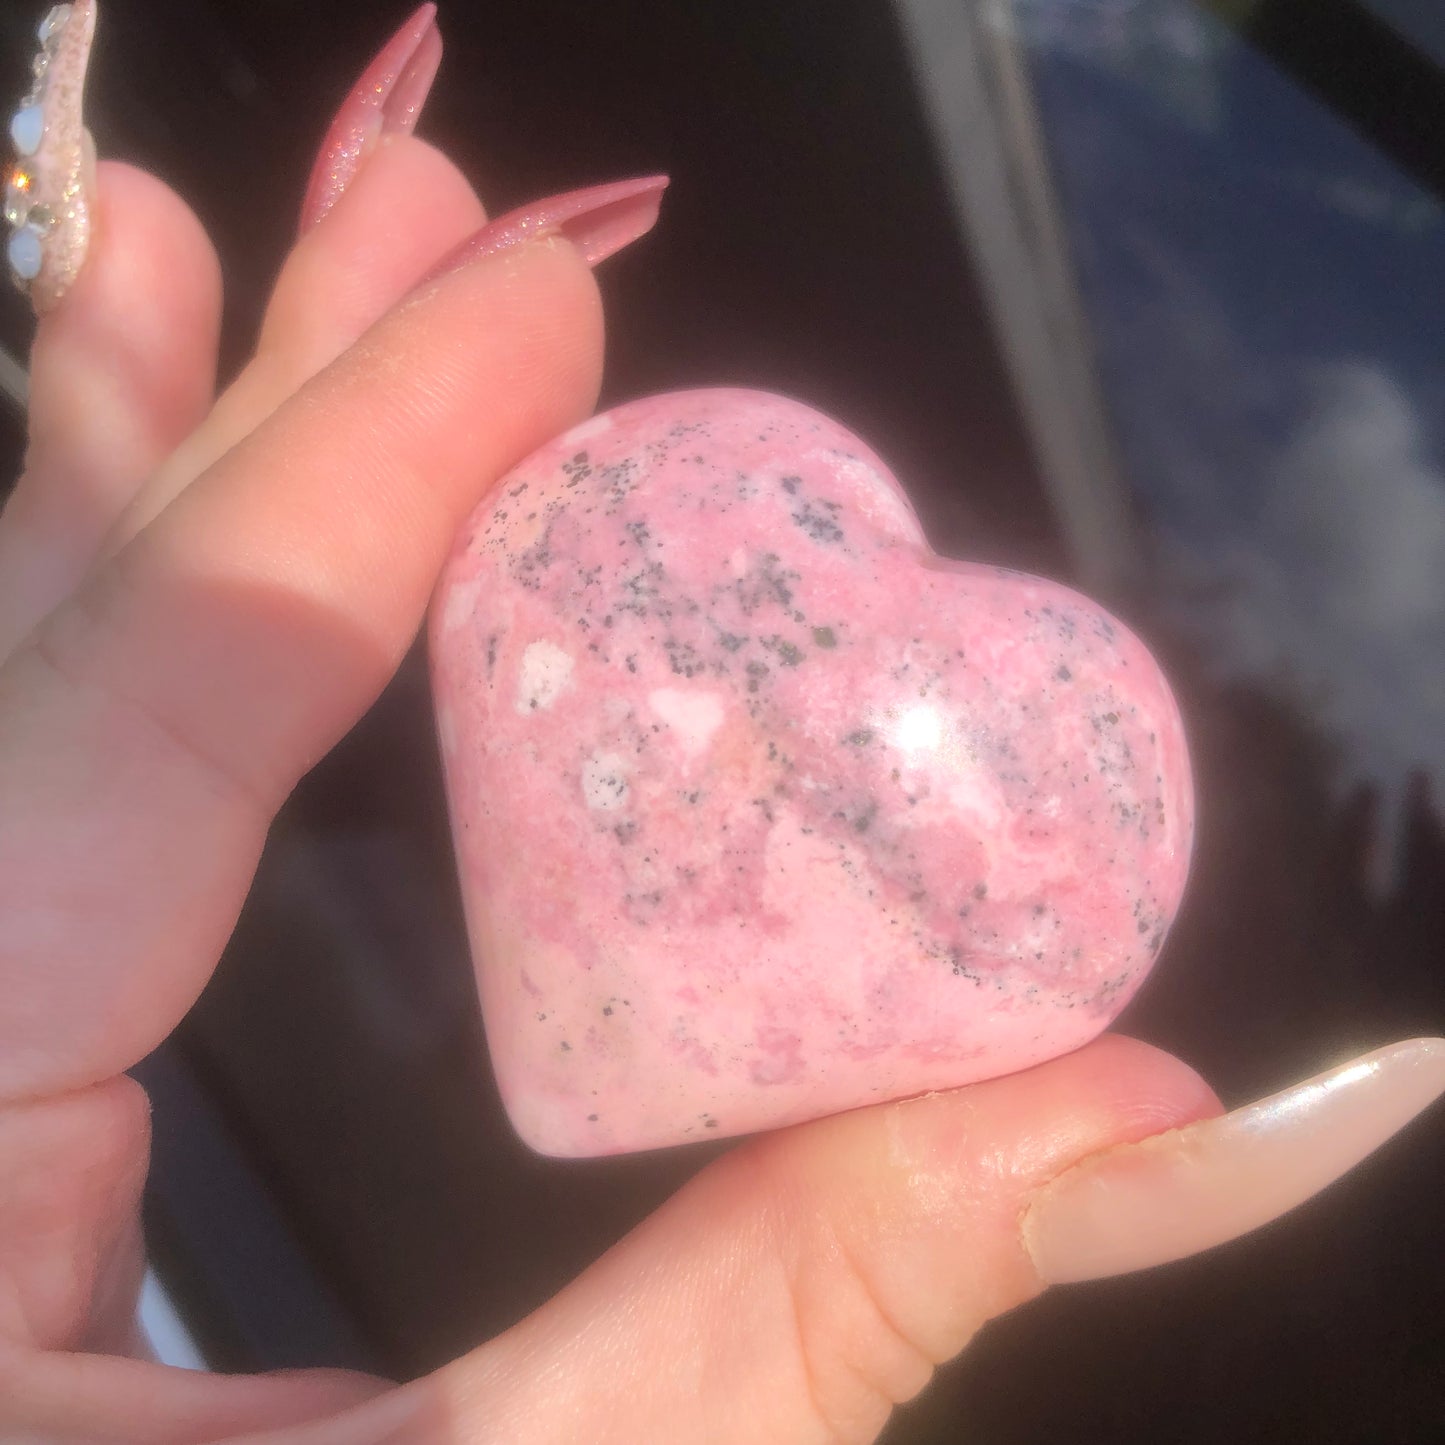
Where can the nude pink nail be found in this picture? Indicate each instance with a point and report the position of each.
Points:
(387, 100)
(1187, 1190)
(598, 220)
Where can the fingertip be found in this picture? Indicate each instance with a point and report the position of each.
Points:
(1178, 1192)
(143, 316)
(121, 369)
(404, 208)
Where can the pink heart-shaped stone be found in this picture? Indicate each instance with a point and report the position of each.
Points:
(763, 809)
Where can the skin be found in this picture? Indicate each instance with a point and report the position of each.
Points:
(198, 596)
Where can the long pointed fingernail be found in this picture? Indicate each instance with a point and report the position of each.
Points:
(387, 99)
(1177, 1193)
(598, 220)
(48, 189)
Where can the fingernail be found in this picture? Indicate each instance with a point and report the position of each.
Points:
(48, 189)
(598, 220)
(387, 99)
(1190, 1189)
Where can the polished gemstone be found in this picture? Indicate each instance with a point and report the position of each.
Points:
(27, 129)
(765, 811)
(26, 253)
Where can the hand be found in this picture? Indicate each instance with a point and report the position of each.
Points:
(198, 597)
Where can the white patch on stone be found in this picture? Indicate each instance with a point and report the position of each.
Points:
(693, 716)
(460, 604)
(880, 499)
(604, 782)
(546, 673)
(738, 563)
(589, 429)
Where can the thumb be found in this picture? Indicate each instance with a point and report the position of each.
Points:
(802, 1285)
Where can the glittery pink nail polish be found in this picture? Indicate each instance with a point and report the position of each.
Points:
(387, 99)
(598, 220)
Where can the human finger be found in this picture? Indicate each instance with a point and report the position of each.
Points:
(128, 292)
(803, 1285)
(380, 210)
(151, 726)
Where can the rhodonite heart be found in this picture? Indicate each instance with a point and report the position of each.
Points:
(763, 809)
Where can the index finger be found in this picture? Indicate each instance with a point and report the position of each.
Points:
(152, 726)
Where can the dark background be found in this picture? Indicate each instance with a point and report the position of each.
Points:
(335, 1182)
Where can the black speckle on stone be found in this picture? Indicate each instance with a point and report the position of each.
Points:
(566, 1047)
(765, 582)
(860, 737)
(592, 1118)
(959, 965)
(787, 653)
(980, 891)
(1064, 675)
(819, 524)
(790, 484)
(730, 641)
(864, 820)
(682, 657)
(631, 661)
(491, 654)
(824, 637)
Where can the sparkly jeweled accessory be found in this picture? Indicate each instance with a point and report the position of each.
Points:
(46, 205)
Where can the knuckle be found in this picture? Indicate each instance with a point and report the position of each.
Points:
(72, 646)
(858, 1357)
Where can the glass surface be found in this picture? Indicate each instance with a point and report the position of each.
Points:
(1265, 292)
(1420, 21)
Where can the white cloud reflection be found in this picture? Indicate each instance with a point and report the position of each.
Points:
(1332, 589)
